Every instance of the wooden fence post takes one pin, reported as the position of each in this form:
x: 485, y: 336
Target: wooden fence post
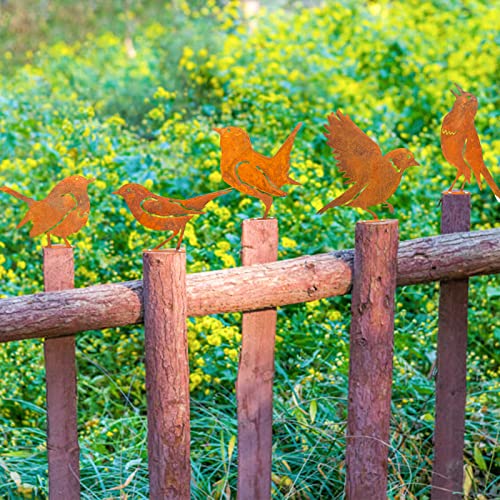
x: 370, y: 363
x: 167, y: 374
x: 451, y: 385
x: 60, y: 373
x: 254, y: 387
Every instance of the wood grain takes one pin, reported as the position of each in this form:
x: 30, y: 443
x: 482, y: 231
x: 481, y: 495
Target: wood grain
x: 167, y: 374
x: 423, y: 260
x: 451, y: 383
x: 254, y: 387
x: 60, y: 379
x: 370, y: 361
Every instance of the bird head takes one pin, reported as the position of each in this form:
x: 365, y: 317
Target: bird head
x: 465, y: 101
x: 233, y: 136
x: 132, y: 191
x: 403, y: 159
x: 79, y: 181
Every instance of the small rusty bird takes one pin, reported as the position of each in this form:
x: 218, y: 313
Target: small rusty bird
x: 164, y: 214
x: 63, y: 212
x: 460, y: 143
x: 375, y: 177
x: 253, y: 173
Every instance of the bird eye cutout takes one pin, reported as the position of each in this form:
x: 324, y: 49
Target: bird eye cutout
x: 129, y: 190
x: 409, y: 157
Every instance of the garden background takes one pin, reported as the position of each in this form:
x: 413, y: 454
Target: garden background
x: 129, y: 91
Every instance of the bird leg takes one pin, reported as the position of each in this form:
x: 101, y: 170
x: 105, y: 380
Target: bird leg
x: 180, y: 239
x: 268, y: 202
x: 389, y: 206
x: 49, y: 242
x: 375, y: 216
x: 463, y: 185
x: 157, y: 247
x: 453, y: 183
x: 68, y: 244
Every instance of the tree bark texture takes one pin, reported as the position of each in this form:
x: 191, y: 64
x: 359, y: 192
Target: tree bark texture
x: 303, y: 279
x: 167, y: 374
x: 254, y: 388
x: 370, y: 362
x: 451, y: 385
x: 60, y: 375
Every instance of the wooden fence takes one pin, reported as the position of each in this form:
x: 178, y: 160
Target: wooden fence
x: 167, y: 296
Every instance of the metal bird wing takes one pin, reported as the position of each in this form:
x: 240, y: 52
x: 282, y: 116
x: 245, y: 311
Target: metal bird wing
x: 48, y: 215
x: 166, y: 207
x: 356, y: 154
x: 254, y: 177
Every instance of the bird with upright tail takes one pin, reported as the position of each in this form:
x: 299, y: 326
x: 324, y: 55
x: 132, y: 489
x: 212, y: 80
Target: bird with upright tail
x: 253, y: 173
x: 374, y: 177
x: 62, y: 213
x: 460, y: 143
x: 161, y: 213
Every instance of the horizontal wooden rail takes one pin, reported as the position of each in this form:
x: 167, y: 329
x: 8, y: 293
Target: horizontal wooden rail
x: 312, y: 277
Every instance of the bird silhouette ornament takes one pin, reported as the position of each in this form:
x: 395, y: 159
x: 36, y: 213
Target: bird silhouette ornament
x: 253, y: 173
x: 164, y: 214
x: 460, y: 143
x: 62, y: 213
x: 374, y: 177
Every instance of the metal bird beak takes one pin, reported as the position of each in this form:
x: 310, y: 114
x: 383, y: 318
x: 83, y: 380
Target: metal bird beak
x: 461, y: 90
x: 414, y: 163
x: 91, y: 180
x: 217, y: 129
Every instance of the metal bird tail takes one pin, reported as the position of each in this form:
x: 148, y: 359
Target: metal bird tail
x: 199, y: 202
x: 282, y: 158
x: 344, y: 198
x: 491, y: 182
x: 17, y: 195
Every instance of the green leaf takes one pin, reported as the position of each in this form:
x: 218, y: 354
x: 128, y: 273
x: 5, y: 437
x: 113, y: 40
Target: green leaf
x: 478, y: 457
x: 313, y: 409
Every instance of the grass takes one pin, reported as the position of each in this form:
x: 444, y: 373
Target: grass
x: 83, y: 102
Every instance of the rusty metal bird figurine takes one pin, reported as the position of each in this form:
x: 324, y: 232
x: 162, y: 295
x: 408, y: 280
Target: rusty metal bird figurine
x: 63, y: 212
x: 375, y: 177
x: 253, y: 173
x: 164, y: 214
x: 460, y: 143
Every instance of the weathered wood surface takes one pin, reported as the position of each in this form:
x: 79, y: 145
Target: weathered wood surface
x: 423, y: 260
x: 451, y: 382
x: 370, y: 360
x: 254, y: 387
x: 60, y: 376
x: 167, y: 374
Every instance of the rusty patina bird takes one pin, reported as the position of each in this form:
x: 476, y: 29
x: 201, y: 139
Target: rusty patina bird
x: 460, y: 142
x: 374, y: 177
x: 164, y: 214
x: 63, y: 212
x: 253, y: 173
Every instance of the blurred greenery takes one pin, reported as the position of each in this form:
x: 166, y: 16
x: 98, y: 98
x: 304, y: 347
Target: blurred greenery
x: 129, y: 91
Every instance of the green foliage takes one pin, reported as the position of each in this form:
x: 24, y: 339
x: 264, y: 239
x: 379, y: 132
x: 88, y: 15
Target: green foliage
x: 143, y: 113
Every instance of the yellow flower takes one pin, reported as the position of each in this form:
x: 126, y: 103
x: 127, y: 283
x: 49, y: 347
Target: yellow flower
x: 288, y: 242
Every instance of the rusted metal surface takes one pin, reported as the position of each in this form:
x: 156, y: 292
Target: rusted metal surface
x: 254, y: 387
x: 161, y: 213
x: 60, y: 376
x: 451, y: 384
x: 248, y: 288
x: 374, y: 177
x: 253, y: 173
x: 62, y: 213
x: 167, y: 374
x: 370, y: 359
x: 460, y: 142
